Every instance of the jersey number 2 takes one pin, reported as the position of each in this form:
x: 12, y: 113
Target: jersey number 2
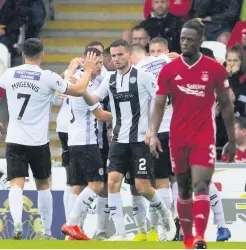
x: 23, y: 108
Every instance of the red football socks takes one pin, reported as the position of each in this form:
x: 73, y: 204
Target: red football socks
x: 201, y: 209
x: 184, y: 208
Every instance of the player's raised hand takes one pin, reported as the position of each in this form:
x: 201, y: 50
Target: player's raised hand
x: 91, y: 60
x: 173, y: 55
x: 76, y: 62
x: 230, y: 151
x: 155, y: 146
x: 73, y: 80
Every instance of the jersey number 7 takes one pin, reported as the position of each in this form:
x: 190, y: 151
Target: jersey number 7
x: 23, y: 108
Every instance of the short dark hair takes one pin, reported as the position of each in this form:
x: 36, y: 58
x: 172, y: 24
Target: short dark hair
x: 94, y: 50
x: 106, y: 52
x: 196, y: 25
x: 159, y: 40
x: 138, y: 27
x: 120, y: 42
x: 138, y: 47
x: 241, y: 121
x: 32, y: 47
x: 94, y: 43
x: 240, y: 51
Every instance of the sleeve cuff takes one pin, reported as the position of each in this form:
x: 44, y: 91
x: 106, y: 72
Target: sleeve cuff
x: 95, y: 106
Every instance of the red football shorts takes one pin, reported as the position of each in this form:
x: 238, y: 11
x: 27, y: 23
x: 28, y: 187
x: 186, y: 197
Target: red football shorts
x: 183, y: 158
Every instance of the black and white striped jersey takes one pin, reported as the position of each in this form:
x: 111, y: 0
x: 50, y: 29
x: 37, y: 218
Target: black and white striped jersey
x: 129, y: 98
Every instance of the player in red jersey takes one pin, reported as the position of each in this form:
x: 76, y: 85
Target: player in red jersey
x: 240, y: 132
x: 192, y: 81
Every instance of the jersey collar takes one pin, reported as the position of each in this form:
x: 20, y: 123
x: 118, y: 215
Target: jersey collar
x: 191, y: 66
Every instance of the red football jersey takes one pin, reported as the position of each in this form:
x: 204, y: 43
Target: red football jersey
x: 192, y: 90
x: 240, y: 157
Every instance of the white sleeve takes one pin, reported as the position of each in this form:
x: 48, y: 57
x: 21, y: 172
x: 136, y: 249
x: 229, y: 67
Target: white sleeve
x: 57, y: 100
x: 3, y: 79
x: 102, y: 91
x: 150, y: 83
x: 95, y: 106
x: 57, y: 83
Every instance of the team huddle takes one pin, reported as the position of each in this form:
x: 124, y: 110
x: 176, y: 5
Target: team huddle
x: 126, y: 115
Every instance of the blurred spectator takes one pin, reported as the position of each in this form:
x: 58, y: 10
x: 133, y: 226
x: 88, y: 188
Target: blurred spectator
x: 180, y: 7
x: 163, y: 24
x: 35, y: 19
x: 235, y: 66
x: 219, y: 16
x: 240, y: 133
x: 12, y: 16
x: 140, y: 36
x: 238, y: 35
x: 176, y: 7
x: 158, y: 46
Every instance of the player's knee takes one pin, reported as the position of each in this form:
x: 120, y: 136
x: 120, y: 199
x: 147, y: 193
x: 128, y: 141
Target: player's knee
x: 162, y: 183
x: 42, y: 184
x: 114, y: 182
x: 201, y: 187
x: 17, y: 182
x: 97, y: 187
x: 143, y: 187
x: 185, y: 192
x: 76, y: 189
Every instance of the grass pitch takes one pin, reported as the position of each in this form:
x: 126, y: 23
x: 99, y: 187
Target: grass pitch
x: 59, y: 244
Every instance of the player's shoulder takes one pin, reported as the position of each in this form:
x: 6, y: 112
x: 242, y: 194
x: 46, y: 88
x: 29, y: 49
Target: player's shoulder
x: 212, y: 63
x: 48, y: 73
x: 143, y: 75
x: 172, y: 66
x: 164, y: 57
x: 174, y: 63
x: 13, y: 69
x: 108, y: 75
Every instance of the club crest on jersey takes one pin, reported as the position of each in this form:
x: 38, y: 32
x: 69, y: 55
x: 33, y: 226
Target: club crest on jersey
x: 205, y: 76
x: 133, y: 80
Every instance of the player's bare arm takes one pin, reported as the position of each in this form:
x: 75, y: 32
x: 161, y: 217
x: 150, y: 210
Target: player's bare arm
x: 79, y: 89
x: 227, y: 111
x: 102, y: 115
x: 90, y: 99
x: 156, y: 118
x: 147, y: 136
